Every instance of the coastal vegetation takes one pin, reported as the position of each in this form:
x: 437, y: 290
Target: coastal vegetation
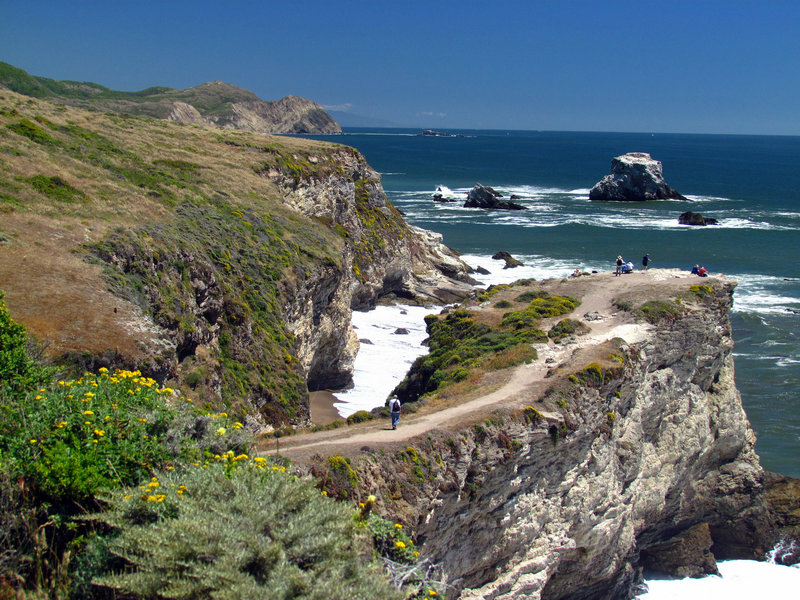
x: 111, y: 485
x: 464, y: 343
x: 176, y: 251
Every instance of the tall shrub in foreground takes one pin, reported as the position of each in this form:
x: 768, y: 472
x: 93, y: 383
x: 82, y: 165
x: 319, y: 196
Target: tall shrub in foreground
x: 231, y: 531
x: 18, y: 370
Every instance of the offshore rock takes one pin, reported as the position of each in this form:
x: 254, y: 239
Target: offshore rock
x: 510, y: 261
x: 482, y: 196
x: 634, y: 177
x: 692, y: 218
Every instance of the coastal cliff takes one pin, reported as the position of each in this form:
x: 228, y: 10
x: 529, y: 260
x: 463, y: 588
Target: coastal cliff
x: 219, y: 262
x: 617, y: 450
x: 212, y: 103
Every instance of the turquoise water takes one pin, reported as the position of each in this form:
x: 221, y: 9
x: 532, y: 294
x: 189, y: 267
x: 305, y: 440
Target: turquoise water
x: 751, y: 184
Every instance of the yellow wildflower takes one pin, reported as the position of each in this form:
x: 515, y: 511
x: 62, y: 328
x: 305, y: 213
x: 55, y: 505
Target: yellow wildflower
x: 237, y: 425
x: 88, y: 412
x: 431, y: 593
x: 189, y: 400
x: 87, y: 422
x: 241, y: 457
x: 107, y: 418
x: 224, y: 415
x: 221, y: 431
x: 33, y: 441
x: 416, y: 553
x: 89, y: 395
x: 38, y: 398
x: 99, y: 432
x: 102, y: 370
x: 160, y: 497
x: 151, y: 498
x: 400, y: 544
x: 324, y: 493
x: 142, y: 420
x: 94, y: 441
x: 398, y: 526
x: 259, y: 460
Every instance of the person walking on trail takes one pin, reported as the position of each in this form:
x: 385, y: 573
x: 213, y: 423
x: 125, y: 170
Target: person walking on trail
x: 394, y: 409
x: 619, y: 266
x: 646, y: 261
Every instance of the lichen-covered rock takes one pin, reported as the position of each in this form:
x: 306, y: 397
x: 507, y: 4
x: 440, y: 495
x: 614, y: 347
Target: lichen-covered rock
x: 634, y: 176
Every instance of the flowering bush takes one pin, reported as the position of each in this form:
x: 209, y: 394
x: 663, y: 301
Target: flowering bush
x: 81, y: 436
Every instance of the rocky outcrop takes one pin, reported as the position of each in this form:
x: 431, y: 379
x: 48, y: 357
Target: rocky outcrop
x: 482, y: 196
x: 649, y: 463
x: 510, y: 261
x: 634, y: 177
x: 382, y: 256
x: 692, y: 218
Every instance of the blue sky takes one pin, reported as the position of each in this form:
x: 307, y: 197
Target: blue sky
x: 723, y: 66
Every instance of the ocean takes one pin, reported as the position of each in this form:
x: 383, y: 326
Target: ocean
x: 750, y: 184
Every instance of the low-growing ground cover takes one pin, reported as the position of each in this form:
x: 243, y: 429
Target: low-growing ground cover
x: 464, y: 341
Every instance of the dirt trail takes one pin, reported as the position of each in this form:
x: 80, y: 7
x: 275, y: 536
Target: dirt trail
x: 525, y: 381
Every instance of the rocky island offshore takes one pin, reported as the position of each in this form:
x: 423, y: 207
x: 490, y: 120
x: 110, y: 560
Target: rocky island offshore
x: 551, y: 455
x: 634, y: 177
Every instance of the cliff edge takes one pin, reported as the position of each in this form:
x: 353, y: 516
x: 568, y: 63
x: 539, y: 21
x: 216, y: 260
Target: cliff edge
x: 224, y: 263
x: 621, y: 447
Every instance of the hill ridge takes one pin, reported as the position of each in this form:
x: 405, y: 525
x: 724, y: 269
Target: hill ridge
x: 215, y: 103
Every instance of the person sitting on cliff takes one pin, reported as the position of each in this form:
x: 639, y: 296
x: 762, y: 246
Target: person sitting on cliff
x: 695, y: 269
x: 394, y: 409
x: 619, y: 266
x: 703, y: 272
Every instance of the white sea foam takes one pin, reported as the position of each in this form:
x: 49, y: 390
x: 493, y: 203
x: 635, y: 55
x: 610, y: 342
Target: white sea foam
x: 380, y: 366
x: 761, y: 294
x: 739, y: 580
x: 694, y: 198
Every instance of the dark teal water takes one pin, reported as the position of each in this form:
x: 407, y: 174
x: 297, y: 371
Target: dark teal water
x: 751, y: 184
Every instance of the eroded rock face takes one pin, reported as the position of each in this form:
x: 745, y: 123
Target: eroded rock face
x: 634, y: 176
x: 651, y: 467
x: 382, y: 256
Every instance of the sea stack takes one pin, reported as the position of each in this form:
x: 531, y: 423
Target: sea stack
x: 635, y: 176
x: 482, y: 196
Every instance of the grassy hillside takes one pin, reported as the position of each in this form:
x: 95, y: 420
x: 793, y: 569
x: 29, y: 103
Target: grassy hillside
x: 213, y: 100
x: 149, y: 245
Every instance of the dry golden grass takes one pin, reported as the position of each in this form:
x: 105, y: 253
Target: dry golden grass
x: 60, y: 298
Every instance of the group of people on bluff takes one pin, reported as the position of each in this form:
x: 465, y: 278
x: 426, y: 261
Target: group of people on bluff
x: 627, y: 267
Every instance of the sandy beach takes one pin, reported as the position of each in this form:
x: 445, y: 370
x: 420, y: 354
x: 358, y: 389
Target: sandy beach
x: 322, y: 409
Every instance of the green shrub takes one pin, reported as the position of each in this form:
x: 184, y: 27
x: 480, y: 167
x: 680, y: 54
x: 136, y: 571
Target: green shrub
x: 659, y: 311
x: 503, y: 304
x: 56, y: 188
x: 99, y: 432
x: 359, y: 417
x: 567, y: 327
x: 18, y: 371
x: 253, y: 531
